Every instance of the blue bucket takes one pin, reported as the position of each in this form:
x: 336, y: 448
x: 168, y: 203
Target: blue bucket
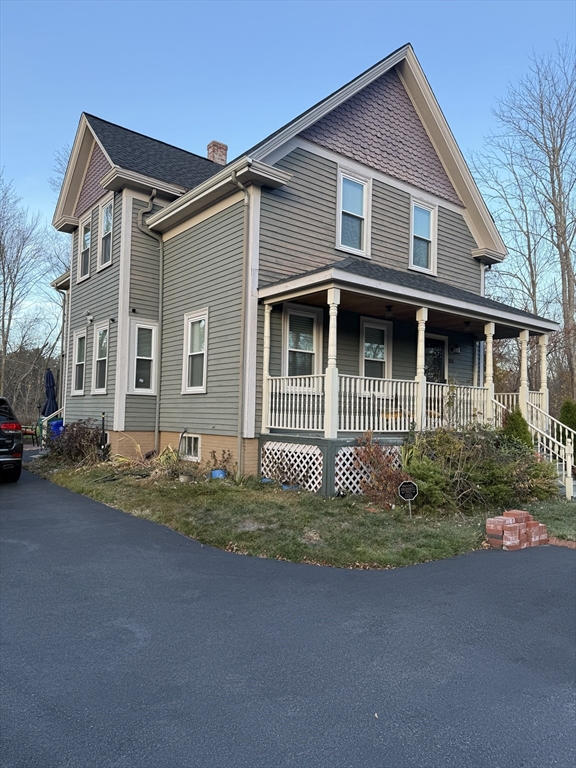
x: 56, y: 428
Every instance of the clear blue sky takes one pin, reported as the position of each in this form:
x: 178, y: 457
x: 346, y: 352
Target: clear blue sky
x: 188, y: 72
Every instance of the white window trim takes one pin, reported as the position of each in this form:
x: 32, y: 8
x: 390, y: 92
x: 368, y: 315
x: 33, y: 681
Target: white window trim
x: 192, y: 458
x: 369, y: 322
x: 106, y: 201
x: 153, y: 326
x: 190, y: 317
x: 104, y: 325
x: 433, y: 236
x: 78, y: 335
x: 88, y: 220
x: 445, y: 340
x: 306, y: 311
x: 366, y: 181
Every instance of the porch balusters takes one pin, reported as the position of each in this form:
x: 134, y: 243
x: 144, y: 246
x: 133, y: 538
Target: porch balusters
x: 524, y: 393
x: 266, y: 371
x: 420, y: 415
x: 489, y: 329
x: 331, y: 383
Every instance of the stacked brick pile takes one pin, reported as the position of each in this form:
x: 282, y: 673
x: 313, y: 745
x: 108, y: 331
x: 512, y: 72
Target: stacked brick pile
x: 515, y: 529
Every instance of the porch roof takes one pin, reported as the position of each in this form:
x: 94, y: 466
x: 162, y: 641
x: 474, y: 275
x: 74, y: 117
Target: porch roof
x: 412, y: 287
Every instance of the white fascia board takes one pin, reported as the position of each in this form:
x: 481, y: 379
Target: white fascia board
x: 75, y: 152
x: 66, y: 223
x: 419, y: 298
x: 118, y: 177
x: 62, y: 282
x: 327, y: 105
x: 215, y: 188
x: 80, y: 152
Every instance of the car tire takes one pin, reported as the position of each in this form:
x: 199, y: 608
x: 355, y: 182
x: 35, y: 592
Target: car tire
x: 13, y: 476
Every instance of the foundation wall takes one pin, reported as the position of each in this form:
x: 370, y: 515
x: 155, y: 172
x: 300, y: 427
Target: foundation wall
x: 219, y: 443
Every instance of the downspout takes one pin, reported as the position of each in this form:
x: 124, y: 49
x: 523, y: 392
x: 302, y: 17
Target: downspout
x: 147, y: 231
x: 245, y: 278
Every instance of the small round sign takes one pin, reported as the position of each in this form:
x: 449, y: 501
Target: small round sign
x: 408, y: 490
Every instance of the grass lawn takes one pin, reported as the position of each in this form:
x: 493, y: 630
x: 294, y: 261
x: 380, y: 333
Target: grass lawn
x: 264, y: 521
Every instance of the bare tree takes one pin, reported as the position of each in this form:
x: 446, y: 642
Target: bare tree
x: 61, y: 157
x: 528, y: 175
x: 26, y: 264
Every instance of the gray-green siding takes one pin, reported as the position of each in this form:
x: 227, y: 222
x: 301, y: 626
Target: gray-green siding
x: 140, y: 413
x: 203, y: 269
x: 98, y: 296
x: 298, y: 227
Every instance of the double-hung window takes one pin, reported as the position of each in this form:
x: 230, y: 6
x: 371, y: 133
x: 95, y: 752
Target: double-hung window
x: 106, y: 217
x: 353, y: 220
x: 79, y: 353
x: 375, y: 346
x: 302, y: 342
x: 195, y: 346
x: 84, y: 259
x: 101, y: 333
x: 142, y: 372
x: 423, y: 244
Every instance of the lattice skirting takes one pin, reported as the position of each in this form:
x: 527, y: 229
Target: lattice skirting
x: 293, y: 463
x: 348, y: 475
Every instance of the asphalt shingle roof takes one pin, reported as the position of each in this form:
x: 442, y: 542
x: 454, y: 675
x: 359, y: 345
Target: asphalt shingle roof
x: 150, y: 157
x: 414, y: 281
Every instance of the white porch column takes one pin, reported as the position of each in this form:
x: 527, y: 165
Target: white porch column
x: 543, y: 341
x: 523, y: 394
x: 331, y: 377
x: 266, y: 371
x: 489, y: 329
x: 421, y: 318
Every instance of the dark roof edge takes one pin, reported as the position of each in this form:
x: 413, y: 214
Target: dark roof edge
x: 145, y: 136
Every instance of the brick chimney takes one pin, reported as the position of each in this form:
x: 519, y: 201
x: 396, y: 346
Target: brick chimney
x: 217, y: 152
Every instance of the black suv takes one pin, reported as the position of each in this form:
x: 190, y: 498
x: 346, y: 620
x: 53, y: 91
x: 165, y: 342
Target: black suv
x: 10, y: 443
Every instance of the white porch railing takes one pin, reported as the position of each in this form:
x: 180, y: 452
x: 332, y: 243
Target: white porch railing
x: 499, y: 412
x: 296, y: 402
x: 376, y: 405
x: 448, y: 405
x: 536, y: 398
x: 510, y: 400
x: 45, y: 426
x: 555, y: 441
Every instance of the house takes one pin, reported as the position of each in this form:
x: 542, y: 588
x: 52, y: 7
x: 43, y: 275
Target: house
x: 327, y: 282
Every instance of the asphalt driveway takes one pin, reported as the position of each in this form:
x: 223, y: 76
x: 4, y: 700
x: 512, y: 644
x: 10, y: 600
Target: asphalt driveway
x: 125, y: 644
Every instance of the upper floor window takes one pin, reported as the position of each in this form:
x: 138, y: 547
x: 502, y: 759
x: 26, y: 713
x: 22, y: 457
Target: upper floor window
x: 423, y: 240
x: 84, y: 261
x: 106, y: 217
x: 100, y: 358
x: 79, y: 353
x: 194, y: 365
x: 353, y: 220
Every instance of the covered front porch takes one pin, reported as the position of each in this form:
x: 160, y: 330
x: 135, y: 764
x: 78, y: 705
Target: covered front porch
x: 342, y: 359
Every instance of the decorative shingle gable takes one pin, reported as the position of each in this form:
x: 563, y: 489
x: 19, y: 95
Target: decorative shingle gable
x: 92, y: 190
x: 380, y: 128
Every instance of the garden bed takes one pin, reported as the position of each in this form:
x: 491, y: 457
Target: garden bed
x: 262, y: 520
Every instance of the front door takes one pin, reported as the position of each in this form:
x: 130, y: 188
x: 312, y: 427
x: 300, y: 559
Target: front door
x: 435, y: 360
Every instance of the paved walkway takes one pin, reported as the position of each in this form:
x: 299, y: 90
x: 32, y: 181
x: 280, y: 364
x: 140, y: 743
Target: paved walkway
x: 125, y: 644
